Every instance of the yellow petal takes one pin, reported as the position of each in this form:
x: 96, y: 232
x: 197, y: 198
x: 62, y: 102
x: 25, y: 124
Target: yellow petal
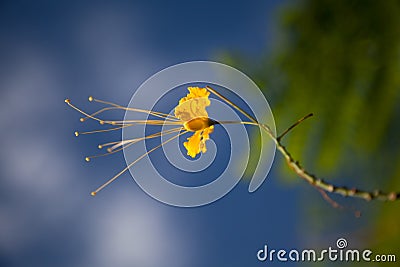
x: 207, y: 131
x: 195, y: 92
x: 197, y: 142
x: 193, y: 104
x: 193, y: 144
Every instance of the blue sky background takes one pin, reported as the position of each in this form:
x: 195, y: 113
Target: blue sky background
x: 50, y: 50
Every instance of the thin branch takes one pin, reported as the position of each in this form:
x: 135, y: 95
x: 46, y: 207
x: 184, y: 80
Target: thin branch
x: 279, y: 138
x: 304, y: 174
x: 328, y: 187
x: 328, y: 199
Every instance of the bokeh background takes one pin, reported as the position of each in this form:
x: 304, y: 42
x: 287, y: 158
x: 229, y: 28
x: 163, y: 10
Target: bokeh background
x: 338, y: 59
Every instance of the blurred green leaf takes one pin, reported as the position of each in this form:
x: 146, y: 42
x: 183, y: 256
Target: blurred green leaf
x: 341, y: 61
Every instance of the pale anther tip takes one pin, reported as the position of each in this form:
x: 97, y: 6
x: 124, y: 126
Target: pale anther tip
x: 100, y: 146
x: 93, y: 193
x: 82, y: 119
x: 87, y: 159
x: 101, y: 122
x: 76, y: 133
x: 67, y: 100
x: 90, y: 98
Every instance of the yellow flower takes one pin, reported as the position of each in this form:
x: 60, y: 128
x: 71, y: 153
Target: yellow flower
x: 192, y: 111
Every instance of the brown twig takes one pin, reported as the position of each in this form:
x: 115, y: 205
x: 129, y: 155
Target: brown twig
x: 328, y: 187
x: 304, y: 174
x: 279, y: 138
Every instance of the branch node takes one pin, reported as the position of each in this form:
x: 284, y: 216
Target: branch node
x: 331, y: 188
x: 393, y: 196
x: 352, y: 191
